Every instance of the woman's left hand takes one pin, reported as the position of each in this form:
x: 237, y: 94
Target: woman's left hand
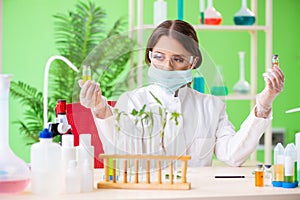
x: 274, y: 79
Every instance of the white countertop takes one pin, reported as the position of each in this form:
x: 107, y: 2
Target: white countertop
x: 204, y: 186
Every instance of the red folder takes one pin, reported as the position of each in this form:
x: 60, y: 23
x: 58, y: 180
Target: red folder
x: 81, y: 120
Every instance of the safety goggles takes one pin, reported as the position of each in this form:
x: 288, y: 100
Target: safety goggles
x: 177, y: 61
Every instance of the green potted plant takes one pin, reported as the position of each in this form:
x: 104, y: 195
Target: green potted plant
x: 80, y: 37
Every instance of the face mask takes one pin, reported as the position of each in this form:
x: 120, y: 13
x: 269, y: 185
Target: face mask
x: 169, y: 80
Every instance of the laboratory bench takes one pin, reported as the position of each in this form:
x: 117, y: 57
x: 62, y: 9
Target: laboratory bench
x: 204, y: 185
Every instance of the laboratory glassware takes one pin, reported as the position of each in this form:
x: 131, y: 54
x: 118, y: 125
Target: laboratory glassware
x: 275, y: 60
x: 259, y: 175
x: 86, y: 73
x: 202, y: 8
x: 242, y: 86
x: 211, y: 15
x: 160, y: 11
x: 267, y: 175
x: 14, y: 172
x: 219, y: 87
x: 244, y: 16
x: 180, y: 9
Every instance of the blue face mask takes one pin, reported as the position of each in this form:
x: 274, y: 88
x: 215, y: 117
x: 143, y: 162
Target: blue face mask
x: 169, y: 80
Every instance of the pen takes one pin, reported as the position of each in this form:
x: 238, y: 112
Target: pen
x: 230, y: 176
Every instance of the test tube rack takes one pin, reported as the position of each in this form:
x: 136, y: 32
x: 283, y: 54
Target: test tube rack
x: 147, y: 184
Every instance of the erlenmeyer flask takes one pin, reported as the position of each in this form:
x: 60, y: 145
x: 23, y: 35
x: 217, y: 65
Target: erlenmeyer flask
x: 219, y: 87
x: 242, y: 86
x: 14, y: 172
x: 211, y: 15
x: 244, y: 16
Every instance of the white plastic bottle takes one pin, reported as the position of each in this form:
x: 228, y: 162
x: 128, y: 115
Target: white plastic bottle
x: 46, y: 167
x: 68, y: 152
x: 72, y: 178
x: 87, y: 174
x: 289, y: 163
x: 85, y: 151
x: 160, y: 11
x: 298, y: 155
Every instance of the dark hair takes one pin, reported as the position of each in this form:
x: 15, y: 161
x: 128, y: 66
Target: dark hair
x: 178, y: 29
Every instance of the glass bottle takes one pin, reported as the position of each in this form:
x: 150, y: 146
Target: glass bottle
x: 14, y: 172
x: 259, y: 175
x: 242, y: 86
x: 244, y: 16
x: 198, y: 82
x: 267, y: 175
x: 211, y: 15
x: 275, y: 61
x: 219, y: 88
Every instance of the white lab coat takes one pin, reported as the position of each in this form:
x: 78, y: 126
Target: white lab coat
x: 203, y: 127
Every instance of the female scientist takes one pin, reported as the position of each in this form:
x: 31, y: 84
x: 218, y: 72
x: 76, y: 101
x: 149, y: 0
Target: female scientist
x: 172, y: 53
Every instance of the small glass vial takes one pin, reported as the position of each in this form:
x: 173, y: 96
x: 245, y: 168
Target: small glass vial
x: 267, y: 175
x: 86, y: 73
x: 259, y: 175
x: 275, y: 61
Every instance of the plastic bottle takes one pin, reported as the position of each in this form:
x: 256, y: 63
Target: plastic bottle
x: 72, y: 178
x: 160, y: 12
x: 259, y: 175
x: 267, y: 175
x: 68, y: 153
x: 244, y: 16
x: 278, y: 166
x: 298, y: 155
x: 46, y: 165
x: 289, y: 163
x: 85, y: 151
x: 87, y: 181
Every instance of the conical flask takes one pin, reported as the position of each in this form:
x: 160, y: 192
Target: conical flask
x: 244, y: 16
x: 14, y: 172
x: 211, y: 15
x: 242, y: 86
x: 219, y: 87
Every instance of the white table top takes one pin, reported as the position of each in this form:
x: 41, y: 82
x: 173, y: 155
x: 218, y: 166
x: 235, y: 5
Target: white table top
x: 204, y: 186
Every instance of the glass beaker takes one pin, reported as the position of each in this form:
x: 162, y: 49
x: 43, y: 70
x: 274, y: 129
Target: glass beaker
x: 14, y: 172
x: 211, y: 15
x: 219, y: 88
x: 244, y: 16
x: 242, y: 86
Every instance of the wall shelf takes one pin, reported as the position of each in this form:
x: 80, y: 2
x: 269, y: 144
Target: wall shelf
x: 253, y: 30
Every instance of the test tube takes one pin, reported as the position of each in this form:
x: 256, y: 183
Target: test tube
x: 86, y: 73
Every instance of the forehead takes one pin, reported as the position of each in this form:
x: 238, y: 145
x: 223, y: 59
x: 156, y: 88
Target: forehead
x: 167, y: 44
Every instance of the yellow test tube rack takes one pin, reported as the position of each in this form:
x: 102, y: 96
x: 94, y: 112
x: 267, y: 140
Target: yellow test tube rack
x: 147, y: 184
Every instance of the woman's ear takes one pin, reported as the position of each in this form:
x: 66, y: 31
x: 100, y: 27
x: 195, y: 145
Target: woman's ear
x: 195, y: 62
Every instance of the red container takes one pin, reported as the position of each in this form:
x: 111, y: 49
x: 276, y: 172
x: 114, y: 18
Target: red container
x: 81, y: 120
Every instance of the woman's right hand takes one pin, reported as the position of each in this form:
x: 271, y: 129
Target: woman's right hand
x: 90, y: 94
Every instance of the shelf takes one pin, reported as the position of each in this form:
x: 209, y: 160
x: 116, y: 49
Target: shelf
x: 238, y: 97
x: 217, y: 28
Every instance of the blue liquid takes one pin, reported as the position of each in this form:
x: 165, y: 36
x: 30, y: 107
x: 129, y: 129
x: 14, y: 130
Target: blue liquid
x: 199, y: 84
x: 244, y: 20
x: 219, y: 90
